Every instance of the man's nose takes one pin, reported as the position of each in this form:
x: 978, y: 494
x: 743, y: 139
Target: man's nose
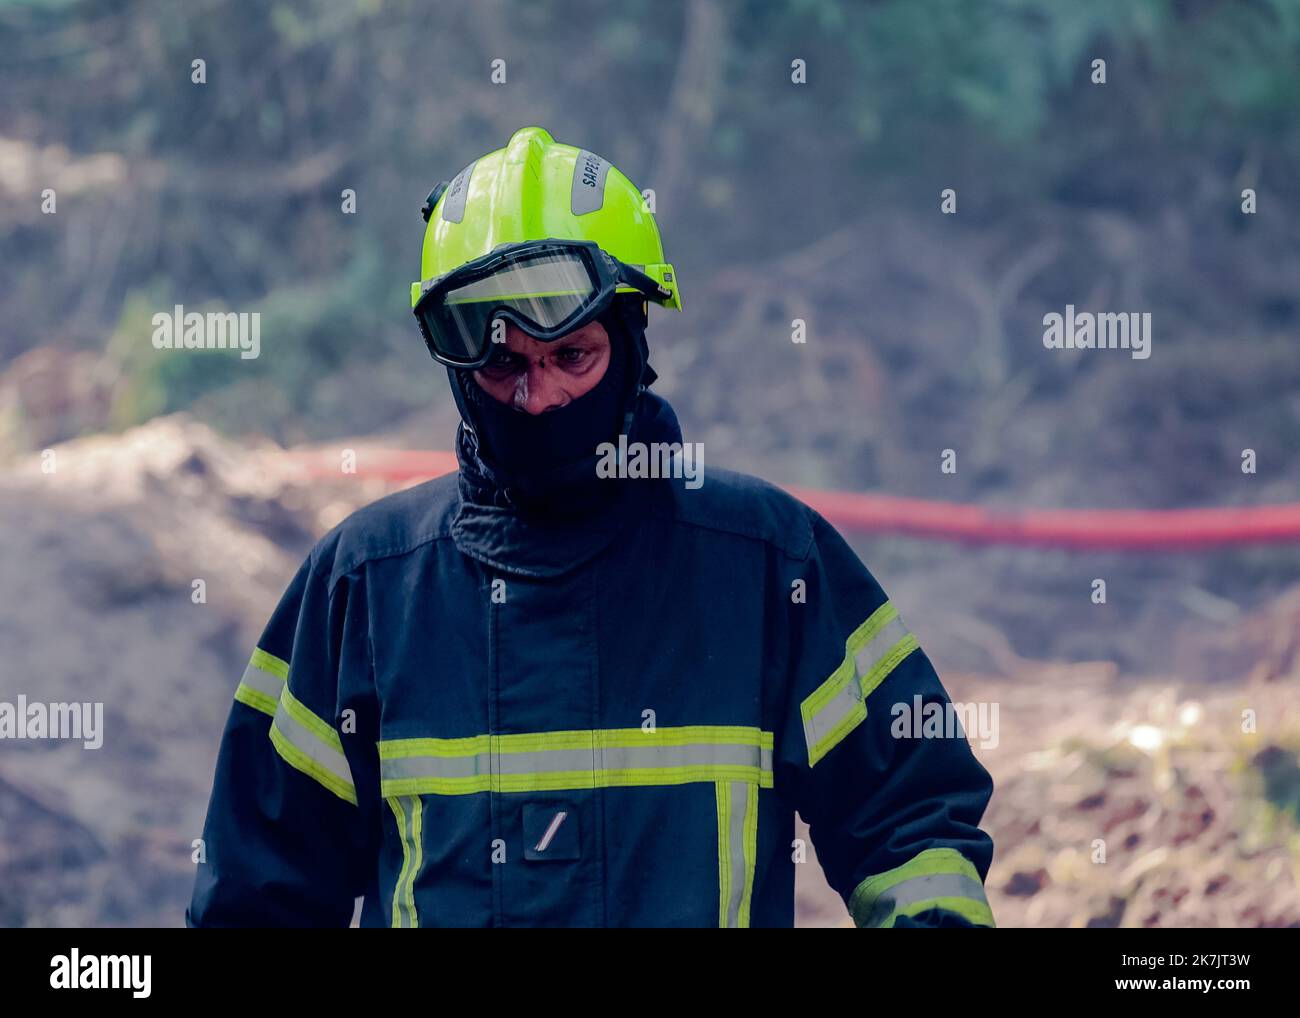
x: 541, y: 389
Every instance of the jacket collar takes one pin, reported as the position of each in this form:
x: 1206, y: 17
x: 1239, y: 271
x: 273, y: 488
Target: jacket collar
x: 575, y: 523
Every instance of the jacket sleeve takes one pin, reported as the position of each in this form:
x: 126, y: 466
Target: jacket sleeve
x: 894, y: 818
x: 285, y: 838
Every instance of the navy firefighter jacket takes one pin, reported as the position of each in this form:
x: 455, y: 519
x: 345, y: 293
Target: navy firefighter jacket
x: 467, y: 718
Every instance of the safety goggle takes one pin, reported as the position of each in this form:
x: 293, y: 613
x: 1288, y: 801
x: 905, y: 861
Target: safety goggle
x: 546, y: 287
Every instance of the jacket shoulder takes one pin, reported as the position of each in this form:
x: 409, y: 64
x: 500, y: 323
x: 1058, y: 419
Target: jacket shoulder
x: 393, y: 525
x: 735, y: 503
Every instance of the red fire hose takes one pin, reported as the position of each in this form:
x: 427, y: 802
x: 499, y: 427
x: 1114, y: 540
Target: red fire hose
x: 1089, y: 529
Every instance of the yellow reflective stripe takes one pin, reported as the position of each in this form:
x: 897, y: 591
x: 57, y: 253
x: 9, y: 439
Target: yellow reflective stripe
x: 399, y: 918
x: 880, y: 899
x: 256, y: 699
x: 822, y: 742
x: 417, y: 811
x: 858, y: 639
x: 723, y: 797
x: 750, y: 848
x: 319, y: 728
x: 310, y: 745
x: 566, y: 760
x: 836, y: 707
x: 397, y: 749
x: 880, y: 671
x: 558, y: 781
x: 839, y: 689
x: 304, y: 741
x: 299, y: 760
x: 737, y: 810
x: 270, y: 663
x: 404, y: 913
x: 609, y: 738
x: 260, y: 686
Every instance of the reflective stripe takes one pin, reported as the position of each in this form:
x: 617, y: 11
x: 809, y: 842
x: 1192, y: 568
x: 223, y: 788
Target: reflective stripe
x: 751, y: 850
x: 552, y: 761
x: 936, y: 878
x: 878, y: 658
x: 409, y: 812
x: 588, y: 191
x: 722, y: 794
x: 582, y: 739
x: 260, y: 686
x: 737, y: 850
x: 925, y: 892
x: 568, y: 760
x: 453, y: 202
x: 838, y: 705
x: 310, y: 745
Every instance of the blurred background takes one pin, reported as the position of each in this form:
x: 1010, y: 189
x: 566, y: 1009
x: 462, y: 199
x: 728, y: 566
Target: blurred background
x: 778, y: 201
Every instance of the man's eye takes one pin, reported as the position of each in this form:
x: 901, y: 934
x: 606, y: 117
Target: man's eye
x: 501, y: 360
x: 572, y: 355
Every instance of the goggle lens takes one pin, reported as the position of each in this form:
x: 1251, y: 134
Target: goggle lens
x: 546, y: 289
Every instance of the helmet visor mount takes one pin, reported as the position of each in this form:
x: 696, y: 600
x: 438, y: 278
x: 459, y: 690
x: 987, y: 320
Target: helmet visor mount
x: 548, y: 288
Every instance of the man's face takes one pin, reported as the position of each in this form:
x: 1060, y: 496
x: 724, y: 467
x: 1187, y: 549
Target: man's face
x: 534, y: 377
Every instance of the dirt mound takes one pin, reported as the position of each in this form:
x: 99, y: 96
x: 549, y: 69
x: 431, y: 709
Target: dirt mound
x: 1120, y: 803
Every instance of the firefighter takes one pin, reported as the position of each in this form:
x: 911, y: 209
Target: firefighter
x: 534, y: 694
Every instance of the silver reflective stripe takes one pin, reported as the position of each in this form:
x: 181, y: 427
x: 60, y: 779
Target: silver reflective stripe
x: 736, y: 844
x: 722, y: 754
x: 833, y: 712
x: 840, y: 700
x: 909, y: 892
x: 310, y: 744
x: 264, y: 682
x: 737, y: 803
x: 436, y: 766
x: 879, y: 647
x: 589, y: 174
x: 551, y: 761
x: 453, y: 202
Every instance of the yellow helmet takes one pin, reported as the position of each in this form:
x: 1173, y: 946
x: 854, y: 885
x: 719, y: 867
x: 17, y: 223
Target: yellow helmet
x: 538, y: 189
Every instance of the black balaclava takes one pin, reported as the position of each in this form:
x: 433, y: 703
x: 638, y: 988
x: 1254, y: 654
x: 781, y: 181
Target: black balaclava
x: 545, y: 464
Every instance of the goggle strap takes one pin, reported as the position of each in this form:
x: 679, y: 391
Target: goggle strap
x: 644, y: 283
